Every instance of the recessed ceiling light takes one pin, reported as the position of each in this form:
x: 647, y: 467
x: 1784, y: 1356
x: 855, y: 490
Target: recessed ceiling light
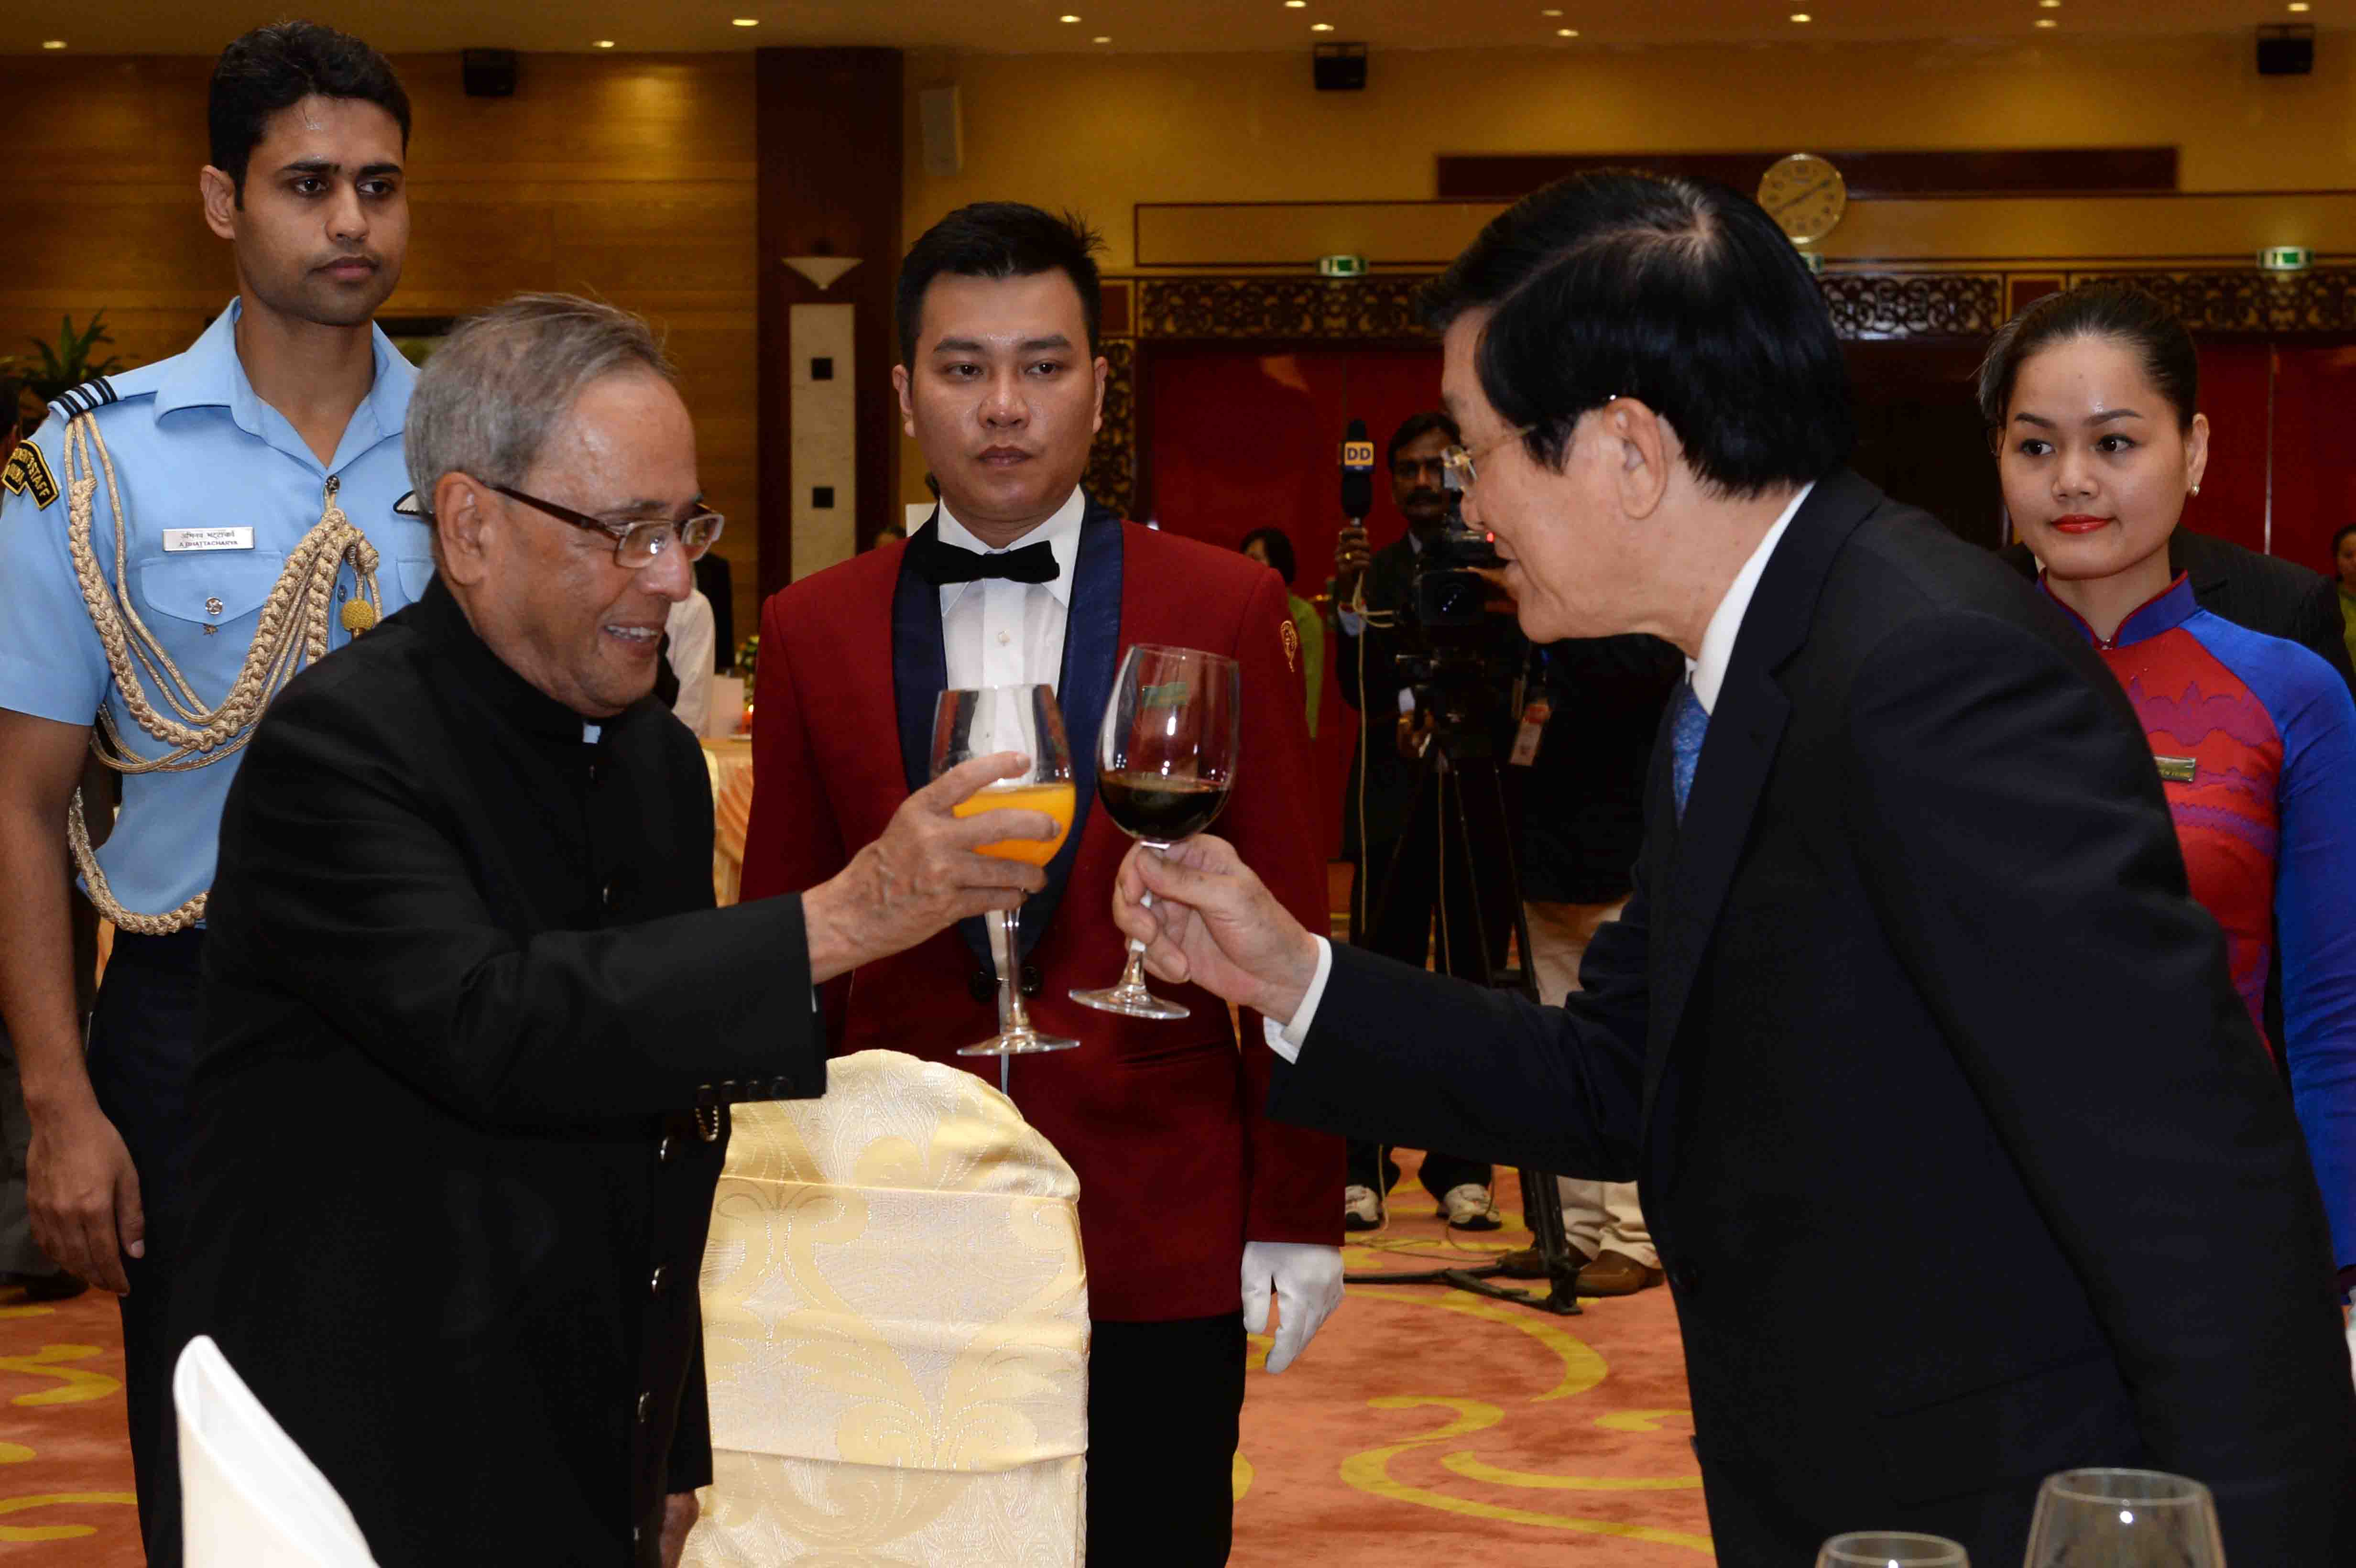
x: 1102, y: 39
x: 1551, y: 11
x: 745, y: 21
x: 1067, y: 17
x: 1802, y: 16
x: 1321, y: 26
x: 1296, y: 4
x: 53, y: 43
x: 2050, y: 5
x: 2300, y: 6
x: 604, y: 43
x: 1565, y: 32
x: 2047, y: 22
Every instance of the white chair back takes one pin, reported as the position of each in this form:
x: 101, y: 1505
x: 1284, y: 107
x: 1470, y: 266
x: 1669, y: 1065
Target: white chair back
x: 895, y: 1331
x: 249, y: 1497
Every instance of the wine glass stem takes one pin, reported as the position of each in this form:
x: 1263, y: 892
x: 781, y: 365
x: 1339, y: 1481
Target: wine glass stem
x: 1009, y: 925
x: 1132, y: 977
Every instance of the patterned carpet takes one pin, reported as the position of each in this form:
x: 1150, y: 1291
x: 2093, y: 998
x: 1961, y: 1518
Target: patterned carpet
x: 1422, y: 1424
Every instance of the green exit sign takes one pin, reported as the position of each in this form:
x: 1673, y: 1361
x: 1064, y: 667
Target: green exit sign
x: 1341, y: 266
x: 2285, y: 259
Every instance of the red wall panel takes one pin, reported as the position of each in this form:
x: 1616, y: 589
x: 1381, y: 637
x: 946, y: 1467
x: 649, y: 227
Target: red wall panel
x: 2315, y: 452
x: 1239, y: 438
x: 2232, y: 500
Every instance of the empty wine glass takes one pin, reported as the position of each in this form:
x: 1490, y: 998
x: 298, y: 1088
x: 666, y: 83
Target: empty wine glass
x: 2123, y: 1518
x: 1890, y: 1549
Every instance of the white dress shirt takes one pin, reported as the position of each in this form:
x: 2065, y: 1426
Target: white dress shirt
x: 997, y: 633
x: 1706, y: 670
x: 690, y: 624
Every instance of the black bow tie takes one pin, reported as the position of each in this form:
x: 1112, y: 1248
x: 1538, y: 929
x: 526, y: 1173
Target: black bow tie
x: 941, y: 563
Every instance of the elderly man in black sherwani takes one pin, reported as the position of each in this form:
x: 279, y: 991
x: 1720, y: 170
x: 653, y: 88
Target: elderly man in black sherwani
x: 472, y: 1026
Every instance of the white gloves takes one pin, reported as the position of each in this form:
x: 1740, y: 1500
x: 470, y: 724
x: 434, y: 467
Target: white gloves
x: 1307, y: 1281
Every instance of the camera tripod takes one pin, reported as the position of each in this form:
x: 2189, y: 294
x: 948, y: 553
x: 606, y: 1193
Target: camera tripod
x: 1459, y: 816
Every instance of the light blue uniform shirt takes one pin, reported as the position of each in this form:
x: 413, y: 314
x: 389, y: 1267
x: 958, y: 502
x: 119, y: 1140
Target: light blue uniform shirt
x: 193, y: 447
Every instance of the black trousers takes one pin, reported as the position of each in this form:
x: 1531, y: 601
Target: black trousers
x: 142, y: 1039
x: 1165, y: 1408
x: 1391, y: 908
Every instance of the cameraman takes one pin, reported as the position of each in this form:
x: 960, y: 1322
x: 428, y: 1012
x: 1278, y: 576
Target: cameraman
x: 1582, y: 819
x: 1369, y: 591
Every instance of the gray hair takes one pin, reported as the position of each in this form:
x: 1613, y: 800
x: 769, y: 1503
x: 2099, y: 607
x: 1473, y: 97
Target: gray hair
x: 491, y: 396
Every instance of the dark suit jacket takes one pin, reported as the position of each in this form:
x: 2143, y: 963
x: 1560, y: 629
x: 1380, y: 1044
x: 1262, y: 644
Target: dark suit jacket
x: 1165, y: 1123
x: 1964, y: 1160
x: 2264, y: 592
x: 463, y: 987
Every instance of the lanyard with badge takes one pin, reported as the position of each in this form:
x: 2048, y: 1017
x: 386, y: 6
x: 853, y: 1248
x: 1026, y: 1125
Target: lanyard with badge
x: 292, y: 634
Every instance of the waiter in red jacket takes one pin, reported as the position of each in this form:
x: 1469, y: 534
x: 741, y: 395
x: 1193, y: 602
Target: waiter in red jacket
x: 1195, y: 1208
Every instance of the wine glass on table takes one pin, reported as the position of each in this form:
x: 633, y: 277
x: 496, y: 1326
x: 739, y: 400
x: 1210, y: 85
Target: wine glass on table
x: 970, y: 724
x: 1165, y: 761
x: 2123, y: 1518
x: 1890, y: 1549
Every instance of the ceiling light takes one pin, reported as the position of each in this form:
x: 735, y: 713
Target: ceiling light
x: 53, y: 43
x: 1565, y: 32
x: 2047, y: 22
x: 1296, y: 4
x: 2300, y: 6
x: 745, y: 21
x: 2050, y: 5
x: 1802, y: 16
x: 1321, y: 26
x: 1551, y: 11
x: 604, y: 43
x: 1102, y: 39
x: 1067, y: 17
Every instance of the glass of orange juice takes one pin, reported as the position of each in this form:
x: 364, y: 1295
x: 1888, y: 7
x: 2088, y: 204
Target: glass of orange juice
x: 975, y: 722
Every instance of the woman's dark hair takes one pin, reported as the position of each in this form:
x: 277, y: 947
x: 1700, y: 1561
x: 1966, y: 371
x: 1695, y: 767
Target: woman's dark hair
x: 1415, y: 427
x: 2120, y: 312
x: 277, y: 66
x: 998, y: 239
x: 1620, y: 283
x: 1279, y: 549
x: 2338, y: 539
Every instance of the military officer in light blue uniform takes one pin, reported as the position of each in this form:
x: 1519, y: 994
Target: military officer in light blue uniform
x: 176, y: 542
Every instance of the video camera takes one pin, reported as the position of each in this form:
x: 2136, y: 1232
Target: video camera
x: 1463, y: 658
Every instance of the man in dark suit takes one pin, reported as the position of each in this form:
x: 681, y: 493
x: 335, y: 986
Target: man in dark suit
x: 471, y: 1024
x: 1964, y: 1158
x: 1392, y: 839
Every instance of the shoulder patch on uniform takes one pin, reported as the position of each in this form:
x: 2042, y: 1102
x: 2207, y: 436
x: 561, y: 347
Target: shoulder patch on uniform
x: 27, y: 473
x: 95, y: 393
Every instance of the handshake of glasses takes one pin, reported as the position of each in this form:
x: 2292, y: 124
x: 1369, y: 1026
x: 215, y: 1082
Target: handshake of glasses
x: 1165, y: 759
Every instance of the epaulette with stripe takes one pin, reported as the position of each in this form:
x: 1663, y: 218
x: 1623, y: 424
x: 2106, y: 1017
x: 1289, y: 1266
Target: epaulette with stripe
x: 95, y: 393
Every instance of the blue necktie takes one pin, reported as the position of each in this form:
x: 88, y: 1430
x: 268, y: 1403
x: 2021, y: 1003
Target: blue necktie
x: 1692, y: 725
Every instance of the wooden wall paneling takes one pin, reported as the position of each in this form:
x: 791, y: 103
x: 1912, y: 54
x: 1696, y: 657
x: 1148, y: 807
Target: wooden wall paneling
x: 2011, y: 171
x: 630, y: 178
x: 831, y: 140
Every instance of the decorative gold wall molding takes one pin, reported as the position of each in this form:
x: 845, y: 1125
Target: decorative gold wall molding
x: 1866, y: 306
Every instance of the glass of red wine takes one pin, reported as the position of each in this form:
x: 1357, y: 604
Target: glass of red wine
x: 1165, y: 761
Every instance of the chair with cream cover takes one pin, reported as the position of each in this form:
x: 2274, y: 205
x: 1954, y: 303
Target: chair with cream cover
x: 249, y: 1497
x: 895, y: 1332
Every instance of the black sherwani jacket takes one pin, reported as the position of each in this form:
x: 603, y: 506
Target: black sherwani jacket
x: 465, y: 993
x: 1963, y: 1157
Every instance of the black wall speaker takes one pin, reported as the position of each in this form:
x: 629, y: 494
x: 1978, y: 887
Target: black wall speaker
x: 1339, y: 68
x: 2287, y: 50
x: 489, y: 74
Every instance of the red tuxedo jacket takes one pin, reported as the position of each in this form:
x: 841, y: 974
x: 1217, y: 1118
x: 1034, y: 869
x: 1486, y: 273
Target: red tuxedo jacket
x: 1165, y: 1123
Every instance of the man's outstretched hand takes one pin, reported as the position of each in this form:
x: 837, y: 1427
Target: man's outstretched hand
x: 1213, y: 922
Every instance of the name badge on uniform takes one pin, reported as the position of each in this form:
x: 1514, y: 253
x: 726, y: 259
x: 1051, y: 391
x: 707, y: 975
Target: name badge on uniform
x: 1525, y: 739
x: 2177, y: 770
x: 176, y: 540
